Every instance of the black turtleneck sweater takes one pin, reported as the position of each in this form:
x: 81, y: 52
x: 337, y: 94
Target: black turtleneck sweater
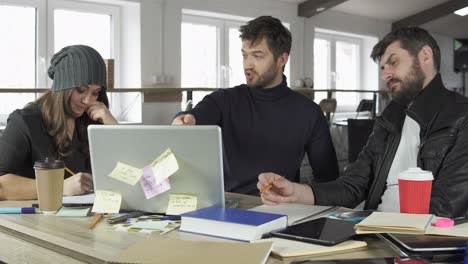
x: 268, y: 130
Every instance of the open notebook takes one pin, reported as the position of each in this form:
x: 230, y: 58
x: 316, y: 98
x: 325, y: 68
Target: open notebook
x: 397, y: 223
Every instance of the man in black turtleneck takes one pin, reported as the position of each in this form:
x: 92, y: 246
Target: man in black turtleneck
x: 266, y: 126
x: 424, y: 126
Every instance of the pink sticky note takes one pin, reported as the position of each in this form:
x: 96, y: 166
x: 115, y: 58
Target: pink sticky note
x: 149, y: 185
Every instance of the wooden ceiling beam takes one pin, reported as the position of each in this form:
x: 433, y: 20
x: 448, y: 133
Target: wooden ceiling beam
x: 430, y: 14
x: 312, y: 7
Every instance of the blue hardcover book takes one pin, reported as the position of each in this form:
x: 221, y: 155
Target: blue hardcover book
x: 231, y: 223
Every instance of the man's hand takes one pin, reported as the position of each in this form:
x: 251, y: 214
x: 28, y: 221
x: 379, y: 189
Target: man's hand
x: 283, y: 190
x: 77, y: 184
x: 98, y: 111
x: 187, y: 119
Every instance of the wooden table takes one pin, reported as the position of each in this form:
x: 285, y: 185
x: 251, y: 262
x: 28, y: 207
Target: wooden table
x: 49, y: 239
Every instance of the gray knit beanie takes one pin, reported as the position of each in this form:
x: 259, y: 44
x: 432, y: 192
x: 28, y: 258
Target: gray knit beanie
x: 77, y: 65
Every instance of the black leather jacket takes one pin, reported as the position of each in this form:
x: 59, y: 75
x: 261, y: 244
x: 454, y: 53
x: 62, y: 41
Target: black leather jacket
x: 443, y: 118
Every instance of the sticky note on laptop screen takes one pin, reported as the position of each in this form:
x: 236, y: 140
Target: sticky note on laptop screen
x: 126, y: 173
x: 107, y: 202
x: 149, y: 185
x: 181, y: 203
x: 164, y: 166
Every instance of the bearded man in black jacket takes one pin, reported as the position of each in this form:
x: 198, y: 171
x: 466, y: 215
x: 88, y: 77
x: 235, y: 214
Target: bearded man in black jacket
x: 425, y: 125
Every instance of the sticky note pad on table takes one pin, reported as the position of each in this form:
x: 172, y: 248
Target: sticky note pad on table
x: 126, y: 173
x: 181, y: 203
x: 164, y: 166
x: 107, y: 202
x: 149, y: 185
x: 73, y: 211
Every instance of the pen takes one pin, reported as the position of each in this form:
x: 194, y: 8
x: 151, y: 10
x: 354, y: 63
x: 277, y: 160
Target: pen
x: 153, y: 217
x: 96, y: 220
x: 18, y: 210
x: 460, y: 220
x: 270, y: 185
x: 124, y: 217
x: 170, y: 217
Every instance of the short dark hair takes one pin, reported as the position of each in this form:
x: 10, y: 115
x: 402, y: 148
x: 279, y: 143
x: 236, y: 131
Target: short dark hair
x: 412, y: 39
x: 277, y: 36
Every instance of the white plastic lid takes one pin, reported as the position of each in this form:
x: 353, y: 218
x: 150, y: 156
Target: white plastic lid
x: 416, y: 174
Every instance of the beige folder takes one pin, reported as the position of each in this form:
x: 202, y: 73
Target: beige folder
x: 184, y: 252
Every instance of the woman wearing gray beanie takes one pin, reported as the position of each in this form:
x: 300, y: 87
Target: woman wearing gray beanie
x: 56, y: 124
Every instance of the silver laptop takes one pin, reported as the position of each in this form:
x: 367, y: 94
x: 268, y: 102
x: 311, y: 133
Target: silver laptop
x: 198, y: 150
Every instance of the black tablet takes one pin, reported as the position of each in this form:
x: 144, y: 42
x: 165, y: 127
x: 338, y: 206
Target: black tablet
x: 420, y: 243
x: 326, y: 231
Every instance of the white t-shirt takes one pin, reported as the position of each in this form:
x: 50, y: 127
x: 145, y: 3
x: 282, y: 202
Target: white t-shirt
x: 405, y: 157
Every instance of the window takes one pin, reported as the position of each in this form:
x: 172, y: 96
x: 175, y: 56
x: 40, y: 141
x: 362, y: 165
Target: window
x: 340, y: 62
x: 211, y: 51
x: 18, y: 69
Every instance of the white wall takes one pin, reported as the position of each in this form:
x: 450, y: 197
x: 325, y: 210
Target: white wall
x: 449, y: 77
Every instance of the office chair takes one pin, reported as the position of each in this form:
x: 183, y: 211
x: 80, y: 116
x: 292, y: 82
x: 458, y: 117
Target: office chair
x: 365, y: 105
x: 328, y: 106
x: 358, y: 133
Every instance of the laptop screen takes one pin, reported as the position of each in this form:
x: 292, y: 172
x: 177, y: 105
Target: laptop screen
x: 198, y: 150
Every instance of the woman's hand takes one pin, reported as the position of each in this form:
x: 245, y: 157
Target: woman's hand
x: 98, y: 111
x: 77, y: 184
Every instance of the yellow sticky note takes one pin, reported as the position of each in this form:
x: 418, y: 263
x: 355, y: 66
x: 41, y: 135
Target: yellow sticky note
x: 107, y: 202
x: 164, y: 166
x: 181, y: 203
x: 126, y: 173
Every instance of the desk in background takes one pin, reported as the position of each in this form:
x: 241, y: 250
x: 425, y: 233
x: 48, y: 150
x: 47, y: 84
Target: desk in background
x: 49, y: 239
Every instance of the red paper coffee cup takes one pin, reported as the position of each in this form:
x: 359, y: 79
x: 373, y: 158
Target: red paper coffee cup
x: 415, y: 186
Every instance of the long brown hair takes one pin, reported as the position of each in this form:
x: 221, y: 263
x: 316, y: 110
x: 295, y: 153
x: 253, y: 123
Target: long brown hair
x: 56, y: 109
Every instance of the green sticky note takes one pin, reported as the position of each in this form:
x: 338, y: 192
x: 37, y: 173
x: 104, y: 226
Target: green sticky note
x: 73, y: 211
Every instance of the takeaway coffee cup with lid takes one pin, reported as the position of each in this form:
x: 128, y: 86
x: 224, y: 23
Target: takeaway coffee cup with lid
x: 415, y: 186
x: 49, y: 184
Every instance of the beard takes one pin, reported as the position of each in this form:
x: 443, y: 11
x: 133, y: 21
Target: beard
x: 410, y: 87
x: 265, y: 79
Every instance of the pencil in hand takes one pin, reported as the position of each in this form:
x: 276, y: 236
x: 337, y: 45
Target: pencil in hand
x: 269, y: 186
x: 96, y: 220
x: 69, y: 171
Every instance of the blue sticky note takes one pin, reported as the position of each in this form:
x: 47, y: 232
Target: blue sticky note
x: 73, y: 212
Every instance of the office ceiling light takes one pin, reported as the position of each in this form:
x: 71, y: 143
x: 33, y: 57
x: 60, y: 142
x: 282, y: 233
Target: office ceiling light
x: 320, y: 9
x: 462, y: 12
